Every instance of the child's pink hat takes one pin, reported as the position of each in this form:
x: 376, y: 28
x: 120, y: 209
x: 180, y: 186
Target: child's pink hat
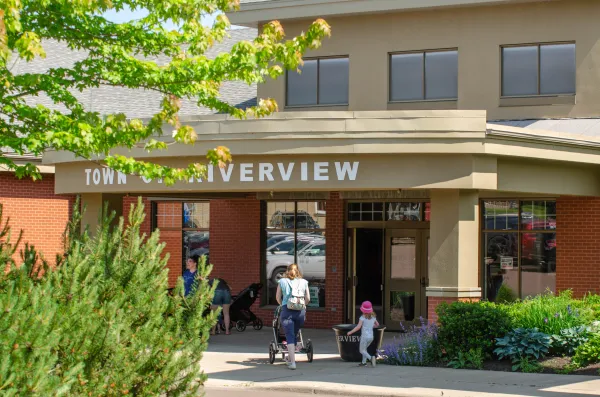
x: 366, y: 307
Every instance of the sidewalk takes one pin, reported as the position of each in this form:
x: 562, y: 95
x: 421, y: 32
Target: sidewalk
x: 240, y: 361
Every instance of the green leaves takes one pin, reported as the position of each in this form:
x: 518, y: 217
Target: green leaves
x: 133, y: 55
x: 523, y: 343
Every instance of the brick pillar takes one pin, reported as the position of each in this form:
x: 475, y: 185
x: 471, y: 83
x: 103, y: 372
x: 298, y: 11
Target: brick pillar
x: 433, y: 302
x: 169, y: 222
x: 577, y: 248
x: 235, y: 241
x: 335, y: 269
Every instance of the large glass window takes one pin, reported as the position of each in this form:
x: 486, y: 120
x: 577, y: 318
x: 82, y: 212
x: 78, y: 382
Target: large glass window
x: 519, y: 248
x: 295, y: 233
x: 547, y: 69
x: 320, y: 82
x: 431, y: 75
x: 196, y: 223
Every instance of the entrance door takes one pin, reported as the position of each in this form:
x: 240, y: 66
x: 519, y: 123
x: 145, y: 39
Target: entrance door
x: 365, y: 271
x: 405, y: 277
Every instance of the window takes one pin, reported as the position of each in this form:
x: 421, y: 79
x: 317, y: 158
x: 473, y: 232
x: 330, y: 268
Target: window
x: 196, y: 217
x: 320, y: 82
x: 295, y: 233
x: 431, y: 75
x: 519, y: 248
x: 544, y: 69
x: 389, y: 211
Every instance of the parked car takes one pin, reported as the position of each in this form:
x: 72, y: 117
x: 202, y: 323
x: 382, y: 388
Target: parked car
x: 285, y: 220
x: 311, y: 261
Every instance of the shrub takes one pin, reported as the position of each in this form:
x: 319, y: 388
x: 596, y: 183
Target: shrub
x: 570, y: 339
x: 505, y: 294
x: 102, y: 322
x: 588, y: 352
x: 467, y: 326
x: 527, y: 365
x: 417, y: 347
x: 473, y: 359
x: 551, y: 314
x: 523, y: 343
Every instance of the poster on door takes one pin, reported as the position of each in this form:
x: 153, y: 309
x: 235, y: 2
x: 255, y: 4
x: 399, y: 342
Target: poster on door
x: 314, y: 297
x: 506, y: 263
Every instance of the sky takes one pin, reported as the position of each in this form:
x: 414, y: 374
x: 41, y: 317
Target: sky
x: 128, y: 15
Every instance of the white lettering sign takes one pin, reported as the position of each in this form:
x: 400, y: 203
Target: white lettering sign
x: 248, y: 172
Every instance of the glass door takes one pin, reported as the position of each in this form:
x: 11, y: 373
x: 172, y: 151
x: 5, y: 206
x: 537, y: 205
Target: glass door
x: 405, y: 278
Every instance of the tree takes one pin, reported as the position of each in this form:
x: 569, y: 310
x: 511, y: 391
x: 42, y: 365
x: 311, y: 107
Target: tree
x: 102, y: 323
x: 124, y: 55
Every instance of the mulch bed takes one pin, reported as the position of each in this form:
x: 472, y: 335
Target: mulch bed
x: 550, y: 365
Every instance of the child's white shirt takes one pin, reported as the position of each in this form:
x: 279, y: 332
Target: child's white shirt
x: 367, y: 326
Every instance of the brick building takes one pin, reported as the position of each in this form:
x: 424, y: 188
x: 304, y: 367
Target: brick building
x: 460, y: 164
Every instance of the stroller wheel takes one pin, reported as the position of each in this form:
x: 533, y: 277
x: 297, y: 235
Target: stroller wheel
x: 258, y: 324
x: 271, y: 354
x: 240, y: 326
x: 309, y: 351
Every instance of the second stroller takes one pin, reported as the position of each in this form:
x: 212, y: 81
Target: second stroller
x: 240, y: 312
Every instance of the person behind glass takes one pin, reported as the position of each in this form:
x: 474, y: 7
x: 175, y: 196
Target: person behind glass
x: 366, y: 323
x: 222, y: 298
x: 292, y: 288
x: 189, y: 276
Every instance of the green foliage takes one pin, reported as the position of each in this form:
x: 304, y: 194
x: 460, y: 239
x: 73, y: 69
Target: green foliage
x: 521, y: 344
x: 101, y: 323
x: 473, y: 359
x: 527, y: 365
x: 127, y: 55
x: 469, y: 326
x: 588, y: 352
x: 505, y: 294
x: 569, y: 339
x: 551, y: 314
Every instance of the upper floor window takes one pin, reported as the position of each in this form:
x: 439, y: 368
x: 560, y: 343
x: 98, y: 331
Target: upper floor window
x: 322, y: 81
x: 429, y: 75
x: 540, y: 69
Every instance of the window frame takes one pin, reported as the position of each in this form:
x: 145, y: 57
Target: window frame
x: 317, y: 104
x: 520, y: 231
x: 188, y: 229
x: 424, y: 71
x: 539, y: 69
x: 264, y: 224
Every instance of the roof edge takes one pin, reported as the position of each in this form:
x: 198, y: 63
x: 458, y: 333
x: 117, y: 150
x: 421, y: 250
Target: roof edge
x: 254, y: 12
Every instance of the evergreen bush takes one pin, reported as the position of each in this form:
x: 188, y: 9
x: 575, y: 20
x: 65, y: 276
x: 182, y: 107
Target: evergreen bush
x: 101, y: 322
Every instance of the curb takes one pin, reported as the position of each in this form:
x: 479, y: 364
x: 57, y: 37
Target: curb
x: 322, y: 389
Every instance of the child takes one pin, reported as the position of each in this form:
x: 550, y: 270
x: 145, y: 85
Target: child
x: 366, y: 323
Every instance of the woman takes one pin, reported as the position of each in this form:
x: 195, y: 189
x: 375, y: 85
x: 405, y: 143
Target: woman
x: 222, y: 298
x: 189, y: 276
x: 292, y: 320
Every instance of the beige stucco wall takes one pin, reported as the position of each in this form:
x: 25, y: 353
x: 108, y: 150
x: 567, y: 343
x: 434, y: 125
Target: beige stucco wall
x: 453, y: 261
x: 478, y: 33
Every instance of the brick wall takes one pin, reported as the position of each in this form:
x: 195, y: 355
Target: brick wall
x: 34, y: 208
x: 235, y: 253
x: 578, y: 244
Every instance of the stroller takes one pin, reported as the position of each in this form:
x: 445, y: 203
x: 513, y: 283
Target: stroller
x: 240, y: 312
x: 279, y: 344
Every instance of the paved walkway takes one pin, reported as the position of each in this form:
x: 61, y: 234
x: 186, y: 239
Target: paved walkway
x: 241, y: 361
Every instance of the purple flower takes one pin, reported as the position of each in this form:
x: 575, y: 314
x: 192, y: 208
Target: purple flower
x: 569, y: 309
x: 546, y: 320
x: 556, y: 315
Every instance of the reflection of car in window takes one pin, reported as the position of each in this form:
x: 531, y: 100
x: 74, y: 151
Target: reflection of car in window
x: 285, y: 220
x: 311, y: 258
